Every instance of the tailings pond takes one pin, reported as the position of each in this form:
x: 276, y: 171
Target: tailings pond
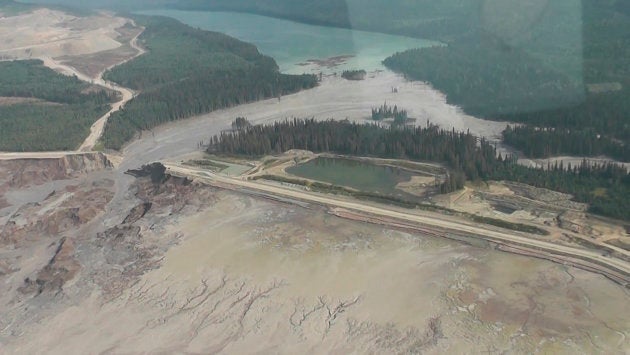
x: 353, y: 173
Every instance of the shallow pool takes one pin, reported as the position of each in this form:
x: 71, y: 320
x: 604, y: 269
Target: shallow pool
x: 353, y: 173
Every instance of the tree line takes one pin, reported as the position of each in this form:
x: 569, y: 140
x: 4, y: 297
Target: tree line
x: 385, y: 111
x: 464, y: 153
x: 547, y: 142
x: 354, y: 74
x: 52, y: 111
x: 485, y: 80
x: 187, y: 72
x: 528, y: 83
x: 31, y: 79
x: 604, y: 187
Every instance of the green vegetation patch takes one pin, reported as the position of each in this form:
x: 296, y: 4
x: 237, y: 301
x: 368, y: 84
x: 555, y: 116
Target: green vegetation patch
x: 188, y: 71
x: 464, y: 155
x: 486, y: 79
x: 566, y: 73
x: 467, y: 156
x: 354, y: 74
x: 59, y: 120
x: 207, y: 164
x: 400, y: 116
x: 538, y: 142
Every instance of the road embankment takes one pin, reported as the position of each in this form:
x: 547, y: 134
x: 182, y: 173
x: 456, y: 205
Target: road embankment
x: 428, y: 223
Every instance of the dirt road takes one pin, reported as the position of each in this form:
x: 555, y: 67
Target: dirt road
x: 617, y: 270
x: 126, y: 94
x: 97, y: 128
x: 96, y: 131
x: 35, y: 155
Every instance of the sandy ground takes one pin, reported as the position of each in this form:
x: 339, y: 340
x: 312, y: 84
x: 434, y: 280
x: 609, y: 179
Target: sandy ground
x: 245, y: 275
x: 429, y: 222
x: 52, y: 33
x: 94, y: 64
x: 208, y: 271
x: 566, y: 220
x: 335, y: 98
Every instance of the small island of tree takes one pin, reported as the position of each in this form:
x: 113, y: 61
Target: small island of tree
x: 386, y: 111
x: 240, y: 123
x: 354, y: 74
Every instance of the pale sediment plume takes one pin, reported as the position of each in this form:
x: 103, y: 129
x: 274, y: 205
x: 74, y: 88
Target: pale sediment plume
x: 228, y: 273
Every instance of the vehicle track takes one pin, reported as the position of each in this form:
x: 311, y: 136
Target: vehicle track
x: 126, y: 94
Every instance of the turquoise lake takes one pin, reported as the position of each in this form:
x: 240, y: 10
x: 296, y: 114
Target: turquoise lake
x: 291, y: 43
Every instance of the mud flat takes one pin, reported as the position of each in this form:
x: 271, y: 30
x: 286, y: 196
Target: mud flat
x: 195, y: 269
x: 335, y: 98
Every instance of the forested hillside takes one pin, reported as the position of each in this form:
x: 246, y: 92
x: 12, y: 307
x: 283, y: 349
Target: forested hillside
x: 544, y: 143
x: 603, y: 187
x: 188, y: 71
x: 485, y: 79
x: 418, y: 18
x: 43, y: 110
x: 580, y: 91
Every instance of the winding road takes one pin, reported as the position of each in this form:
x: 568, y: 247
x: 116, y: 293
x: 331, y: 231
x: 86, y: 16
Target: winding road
x: 96, y: 131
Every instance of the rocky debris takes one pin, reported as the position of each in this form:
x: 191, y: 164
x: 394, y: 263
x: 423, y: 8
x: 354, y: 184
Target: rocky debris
x: 21, y: 173
x: 137, y: 213
x: 121, y: 245
x: 155, y: 170
x: 61, y: 268
x: 6, y: 268
x: 164, y: 186
x: 58, y: 213
x: 173, y: 194
x: 555, y: 199
x: 136, y: 245
x: 24, y: 226
x: 574, y: 222
x: 391, y: 339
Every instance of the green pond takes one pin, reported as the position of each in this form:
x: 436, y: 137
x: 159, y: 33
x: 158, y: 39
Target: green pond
x: 353, y: 173
x: 292, y: 44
